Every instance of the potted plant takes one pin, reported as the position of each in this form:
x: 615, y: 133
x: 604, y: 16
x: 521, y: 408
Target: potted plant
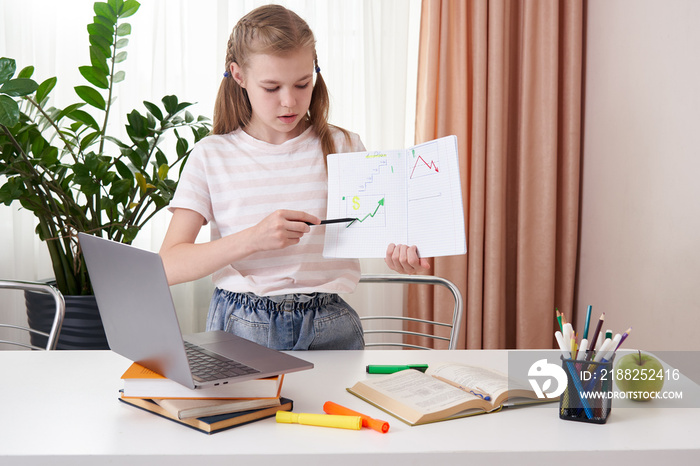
x: 61, y: 163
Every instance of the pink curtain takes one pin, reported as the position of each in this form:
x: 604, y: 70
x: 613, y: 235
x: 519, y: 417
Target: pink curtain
x: 505, y: 77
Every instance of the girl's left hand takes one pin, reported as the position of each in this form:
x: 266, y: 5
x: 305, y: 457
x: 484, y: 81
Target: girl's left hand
x: 404, y: 259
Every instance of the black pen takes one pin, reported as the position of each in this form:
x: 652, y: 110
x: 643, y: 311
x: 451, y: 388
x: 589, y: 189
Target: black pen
x: 334, y: 220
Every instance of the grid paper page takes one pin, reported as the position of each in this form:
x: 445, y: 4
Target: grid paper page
x: 410, y: 196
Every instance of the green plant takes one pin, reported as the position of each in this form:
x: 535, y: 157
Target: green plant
x: 61, y: 164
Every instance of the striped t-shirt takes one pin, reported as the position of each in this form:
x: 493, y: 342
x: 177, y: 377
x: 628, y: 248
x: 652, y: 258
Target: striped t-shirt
x: 234, y: 181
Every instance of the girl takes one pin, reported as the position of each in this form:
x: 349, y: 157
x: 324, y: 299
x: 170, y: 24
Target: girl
x: 260, y: 182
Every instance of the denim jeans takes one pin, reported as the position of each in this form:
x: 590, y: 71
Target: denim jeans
x: 317, y: 321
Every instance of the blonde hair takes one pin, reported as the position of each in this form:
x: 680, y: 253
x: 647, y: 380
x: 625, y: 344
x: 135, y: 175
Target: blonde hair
x: 273, y: 30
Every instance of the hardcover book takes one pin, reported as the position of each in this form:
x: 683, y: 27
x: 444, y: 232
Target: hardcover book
x: 212, y: 424
x: 140, y: 382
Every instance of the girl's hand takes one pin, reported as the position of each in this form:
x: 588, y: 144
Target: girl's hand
x: 404, y: 259
x: 282, y: 228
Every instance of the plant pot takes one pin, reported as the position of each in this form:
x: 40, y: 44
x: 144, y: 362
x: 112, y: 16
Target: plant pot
x: 82, y: 326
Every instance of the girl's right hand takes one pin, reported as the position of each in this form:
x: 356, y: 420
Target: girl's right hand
x: 184, y: 260
x: 282, y: 228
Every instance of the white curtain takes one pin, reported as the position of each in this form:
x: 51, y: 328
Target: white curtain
x: 367, y: 53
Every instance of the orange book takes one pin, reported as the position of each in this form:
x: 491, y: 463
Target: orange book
x: 140, y: 382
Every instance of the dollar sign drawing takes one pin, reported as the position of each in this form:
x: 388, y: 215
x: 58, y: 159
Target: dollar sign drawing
x: 356, y: 203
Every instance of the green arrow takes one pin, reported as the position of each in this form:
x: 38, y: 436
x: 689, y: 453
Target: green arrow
x: 380, y: 203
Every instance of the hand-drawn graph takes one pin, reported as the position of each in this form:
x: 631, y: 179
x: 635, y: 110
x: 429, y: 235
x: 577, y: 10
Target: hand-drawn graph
x: 409, y: 196
x: 368, y: 211
x: 424, y: 164
x: 375, y: 173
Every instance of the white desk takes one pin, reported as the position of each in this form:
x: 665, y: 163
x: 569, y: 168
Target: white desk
x: 61, y: 407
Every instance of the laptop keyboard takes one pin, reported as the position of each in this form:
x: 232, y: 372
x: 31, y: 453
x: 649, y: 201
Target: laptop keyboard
x: 207, y: 366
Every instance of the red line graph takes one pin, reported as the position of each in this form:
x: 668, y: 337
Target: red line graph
x: 431, y: 165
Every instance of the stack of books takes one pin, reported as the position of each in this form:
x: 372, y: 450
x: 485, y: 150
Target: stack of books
x: 208, y: 410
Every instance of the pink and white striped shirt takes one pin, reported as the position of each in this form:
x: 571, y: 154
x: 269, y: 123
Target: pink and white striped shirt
x: 235, y: 180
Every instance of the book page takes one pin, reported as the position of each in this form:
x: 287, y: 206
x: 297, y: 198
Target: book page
x: 411, y: 197
x: 423, y: 393
x: 493, y: 383
x: 469, y: 377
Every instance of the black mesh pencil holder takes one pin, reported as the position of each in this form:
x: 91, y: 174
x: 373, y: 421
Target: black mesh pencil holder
x: 588, y: 394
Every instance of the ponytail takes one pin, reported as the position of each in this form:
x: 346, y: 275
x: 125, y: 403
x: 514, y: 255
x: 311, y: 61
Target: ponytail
x: 232, y: 108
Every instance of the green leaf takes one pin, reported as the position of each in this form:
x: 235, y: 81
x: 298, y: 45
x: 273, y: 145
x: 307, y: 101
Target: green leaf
x: 38, y: 145
x: 19, y: 87
x: 130, y: 7
x: 116, y: 141
x: 181, y: 106
x: 89, y: 139
x: 121, y: 188
x: 91, y: 96
x: 141, y: 181
x: 121, y: 43
x: 13, y: 189
x: 138, y: 125
x: 85, y: 118
x: 49, y: 156
x: 163, y: 171
x: 170, y: 103
x: 161, y: 159
x: 7, y: 69
x: 104, y: 45
x: 98, y: 59
x: 103, y: 20
x: 124, y: 29
x: 181, y: 147
x: 102, y: 171
x: 95, y: 76
x: 9, y: 111
x: 119, y: 76
x: 67, y: 111
x: 26, y: 72
x: 45, y: 88
x: 123, y: 170
x: 134, y: 158
x: 104, y: 9
x: 121, y: 56
x: 98, y: 30
x: 116, y: 5
x: 155, y: 111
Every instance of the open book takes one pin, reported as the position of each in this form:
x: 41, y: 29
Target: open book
x: 408, y: 196
x: 445, y: 391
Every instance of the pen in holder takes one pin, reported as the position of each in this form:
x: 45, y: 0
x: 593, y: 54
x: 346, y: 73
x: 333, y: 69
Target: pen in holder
x: 587, y: 395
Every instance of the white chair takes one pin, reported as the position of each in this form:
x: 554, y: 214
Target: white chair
x: 453, y: 325
x: 52, y: 336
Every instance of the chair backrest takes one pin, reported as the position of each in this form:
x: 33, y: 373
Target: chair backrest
x: 60, y: 310
x: 453, y: 325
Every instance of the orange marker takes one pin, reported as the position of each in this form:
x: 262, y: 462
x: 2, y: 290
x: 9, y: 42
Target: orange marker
x: 380, y: 426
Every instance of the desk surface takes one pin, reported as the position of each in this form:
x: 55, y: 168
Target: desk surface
x: 64, y: 404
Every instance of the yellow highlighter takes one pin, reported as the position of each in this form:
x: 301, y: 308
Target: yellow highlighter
x: 321, y: 420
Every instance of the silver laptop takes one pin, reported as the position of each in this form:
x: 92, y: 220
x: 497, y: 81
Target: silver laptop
x: 140, y: 322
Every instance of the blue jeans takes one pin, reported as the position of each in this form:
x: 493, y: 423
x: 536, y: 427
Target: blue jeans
x: 317, y: 321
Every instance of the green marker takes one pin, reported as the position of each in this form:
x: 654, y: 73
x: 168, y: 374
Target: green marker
x: 390, y: 369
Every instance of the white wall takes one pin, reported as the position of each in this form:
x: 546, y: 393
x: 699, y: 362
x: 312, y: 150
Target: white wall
x: 640, y: 222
